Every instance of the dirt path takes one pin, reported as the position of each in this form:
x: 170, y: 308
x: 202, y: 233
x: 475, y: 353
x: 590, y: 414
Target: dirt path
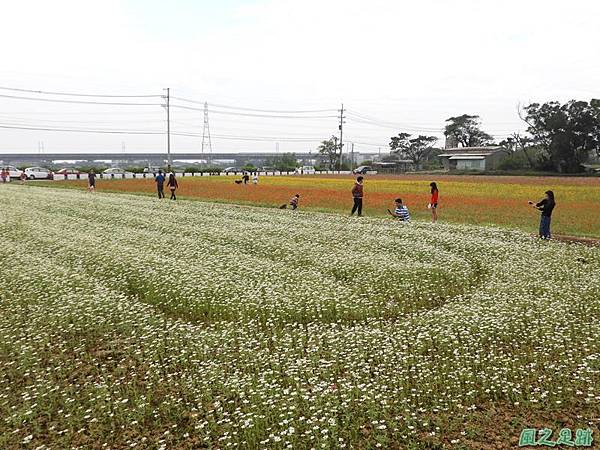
x: 591, y: 242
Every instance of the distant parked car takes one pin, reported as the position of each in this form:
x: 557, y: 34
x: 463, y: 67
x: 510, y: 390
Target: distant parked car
x: 116, y: 171
x: 13, y: 172
x: 38, y: 173
x: 230, y: 170
x: 151, y: 169
x: 362, y: 170
x: 67, y: 171
x: 305, y: 170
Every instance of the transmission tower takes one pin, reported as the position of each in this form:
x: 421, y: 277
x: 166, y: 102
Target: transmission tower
x: 206, y: 133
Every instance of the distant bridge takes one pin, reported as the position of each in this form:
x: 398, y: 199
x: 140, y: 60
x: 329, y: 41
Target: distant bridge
x: 152, y: 158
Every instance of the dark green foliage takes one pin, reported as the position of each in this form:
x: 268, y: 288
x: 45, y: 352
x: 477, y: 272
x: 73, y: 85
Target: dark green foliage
x: 286, y: 162
x: 329, y: 150
x: 416, y: 149
x: 466, y: 131
x: 568, y: 133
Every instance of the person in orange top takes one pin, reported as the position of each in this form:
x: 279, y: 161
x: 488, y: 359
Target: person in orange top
x: 433, y: 203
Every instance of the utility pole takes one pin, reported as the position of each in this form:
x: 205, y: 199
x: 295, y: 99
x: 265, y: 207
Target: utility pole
x: 335, y: 146
x: 352, y: 158
x: 168, y: 97
x: 341, y: 127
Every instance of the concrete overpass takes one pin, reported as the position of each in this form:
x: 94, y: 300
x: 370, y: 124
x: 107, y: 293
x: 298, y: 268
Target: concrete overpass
x: 153, y: 158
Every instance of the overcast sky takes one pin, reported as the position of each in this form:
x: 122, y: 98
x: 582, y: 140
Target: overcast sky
x: 406, y: 65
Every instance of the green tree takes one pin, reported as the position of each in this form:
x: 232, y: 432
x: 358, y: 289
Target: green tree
x: 329, y: 150
x: 416, y: 149
x: 284, y: 162
x: 517, y: 143
x: 567, y: 133
x: 466, y: 131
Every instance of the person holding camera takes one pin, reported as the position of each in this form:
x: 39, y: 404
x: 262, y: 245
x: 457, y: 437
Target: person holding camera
x: 546, y: 206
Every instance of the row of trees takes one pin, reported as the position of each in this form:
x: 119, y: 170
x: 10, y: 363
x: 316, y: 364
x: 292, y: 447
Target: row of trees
x: 559, y: 137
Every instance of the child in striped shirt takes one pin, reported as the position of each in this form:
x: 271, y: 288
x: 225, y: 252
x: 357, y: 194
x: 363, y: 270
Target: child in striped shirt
x: 401, y: 211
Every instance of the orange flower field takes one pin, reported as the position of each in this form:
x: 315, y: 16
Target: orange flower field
x: 483, y: 200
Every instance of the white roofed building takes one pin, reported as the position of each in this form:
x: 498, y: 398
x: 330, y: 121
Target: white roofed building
x: 473, y: 158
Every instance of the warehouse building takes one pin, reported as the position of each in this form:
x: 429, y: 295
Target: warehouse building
x: 473, y: 158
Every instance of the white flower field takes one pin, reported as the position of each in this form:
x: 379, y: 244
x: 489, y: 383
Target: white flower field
x: 127, y: 322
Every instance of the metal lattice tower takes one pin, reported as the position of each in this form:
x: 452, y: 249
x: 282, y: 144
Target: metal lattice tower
x: 206, y: 143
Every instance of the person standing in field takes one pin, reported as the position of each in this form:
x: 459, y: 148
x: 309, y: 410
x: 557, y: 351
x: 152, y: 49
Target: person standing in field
x: 3, y: 174
x: 245, y: 177
x: 400, y: 211
x: 546, y: 206
x: 23, y: 177
x: 91, y: 181
x: 293, y: 203
x: 433, y: 202
x: 172, y: 183
x: 357, y: 195
x: 160, y: 180
x: 255, y: 178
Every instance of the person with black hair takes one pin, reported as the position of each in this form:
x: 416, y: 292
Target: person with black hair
x: 293, y: 203
x: 546, y: 206
x: 160, y: 180
x: 173, y: 185
x: 400, y: 211
x: 91, y: 181
x: 357, y: 195
x: 433, y: 202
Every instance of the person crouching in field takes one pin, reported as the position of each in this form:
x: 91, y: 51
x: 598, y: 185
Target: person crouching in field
x: 293, y: 203
x: 357, y: 195
x: 172, y: 183
x: 91, y: 181
x: 546, y: 205
x: 433, y: 202
x: 23, y: 177
x: 160, y: 181
x: 400, y: 211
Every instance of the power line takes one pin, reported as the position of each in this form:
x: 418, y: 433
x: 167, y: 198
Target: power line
x: 359, y: 119
x: 253, y: 115
x: 77, y: 94
x: 88, y: 122
x: 78, y: 101
x: 370, y: 144
x: 249, y: 138
x: 160, y: 133
x: 73, y: 130
x: 305, y: 111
